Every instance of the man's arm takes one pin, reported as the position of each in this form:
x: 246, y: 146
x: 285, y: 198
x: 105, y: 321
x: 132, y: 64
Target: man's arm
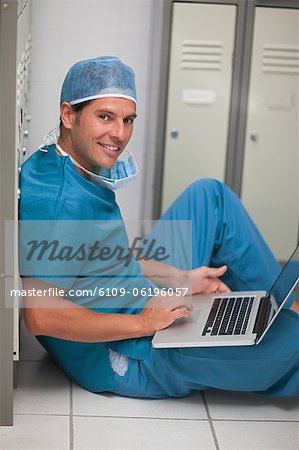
x: 164, y: 274
x: 58, y: 317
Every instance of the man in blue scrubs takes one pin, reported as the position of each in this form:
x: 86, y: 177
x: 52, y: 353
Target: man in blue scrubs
x: 108, y: 349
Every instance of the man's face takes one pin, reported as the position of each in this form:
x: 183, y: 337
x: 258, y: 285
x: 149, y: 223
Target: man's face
x: 100, y: 132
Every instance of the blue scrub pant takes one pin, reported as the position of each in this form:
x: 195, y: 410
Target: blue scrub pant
x: 222, y: 233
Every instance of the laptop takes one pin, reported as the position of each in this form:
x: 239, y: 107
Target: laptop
x: 237, y: 318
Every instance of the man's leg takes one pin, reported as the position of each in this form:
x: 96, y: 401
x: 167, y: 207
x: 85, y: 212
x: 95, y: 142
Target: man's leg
x: 224, y: 233
x: 270, y: 368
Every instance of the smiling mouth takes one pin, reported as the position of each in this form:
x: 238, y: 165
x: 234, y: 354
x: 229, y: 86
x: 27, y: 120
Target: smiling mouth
x: 110, y: 148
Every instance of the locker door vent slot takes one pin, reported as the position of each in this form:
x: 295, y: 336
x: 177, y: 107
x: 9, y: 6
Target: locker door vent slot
x: 280, y: 59
x: 201, y: 55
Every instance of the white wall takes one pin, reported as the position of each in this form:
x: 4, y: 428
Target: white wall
x: 66, y: 31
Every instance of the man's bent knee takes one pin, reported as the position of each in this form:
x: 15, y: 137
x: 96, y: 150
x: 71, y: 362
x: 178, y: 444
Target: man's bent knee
x: 207, y: 185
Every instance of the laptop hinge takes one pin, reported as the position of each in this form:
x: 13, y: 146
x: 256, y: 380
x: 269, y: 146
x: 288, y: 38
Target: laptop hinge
x: 262, y: 317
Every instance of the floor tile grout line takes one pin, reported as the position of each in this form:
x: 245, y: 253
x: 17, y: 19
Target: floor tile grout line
x: 210, y: 421
x: 156, y: 418
x: 71, y: 421
x: 257, y: 420
x: 141, y: 418
x: 41, y: 414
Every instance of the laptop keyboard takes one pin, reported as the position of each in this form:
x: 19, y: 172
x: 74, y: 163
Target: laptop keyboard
x: 228, y: 316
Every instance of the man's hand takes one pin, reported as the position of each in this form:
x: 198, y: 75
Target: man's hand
x: 160, y: 312
x: 201, y: 280
x: 205, y: 280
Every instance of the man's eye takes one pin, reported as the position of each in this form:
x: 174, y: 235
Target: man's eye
x: 128, y: 120
x: 104, y: 117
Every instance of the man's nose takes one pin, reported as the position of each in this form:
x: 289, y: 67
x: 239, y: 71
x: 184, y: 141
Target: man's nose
x: 118, y: 131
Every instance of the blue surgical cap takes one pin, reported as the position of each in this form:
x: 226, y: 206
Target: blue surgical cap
x: 105, y: 76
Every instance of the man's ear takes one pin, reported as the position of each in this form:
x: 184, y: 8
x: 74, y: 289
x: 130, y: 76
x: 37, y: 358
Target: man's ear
x: 67, y: 115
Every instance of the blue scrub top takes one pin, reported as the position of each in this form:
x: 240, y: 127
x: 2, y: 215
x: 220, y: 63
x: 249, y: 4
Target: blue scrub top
x: 53, y: 190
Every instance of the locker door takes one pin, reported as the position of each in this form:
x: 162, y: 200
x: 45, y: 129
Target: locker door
x: 270, y: 172
x: 198, y: 95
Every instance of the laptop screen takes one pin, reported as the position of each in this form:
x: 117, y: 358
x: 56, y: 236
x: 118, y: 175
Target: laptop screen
x: 286, y: 279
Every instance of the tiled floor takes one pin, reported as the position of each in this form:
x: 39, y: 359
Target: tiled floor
x: 52, y: 413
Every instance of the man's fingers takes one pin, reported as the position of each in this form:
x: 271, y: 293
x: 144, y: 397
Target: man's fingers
x: 216, y: 272
x: 170, y: 302
x: 188, y: 303
x: 180, y: 312
x: 177, y: 302
x: 222, y: 288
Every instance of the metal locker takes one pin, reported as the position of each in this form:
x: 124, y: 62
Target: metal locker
x: 270, y: 170
x: 8, y: 49
x: 202, y: 46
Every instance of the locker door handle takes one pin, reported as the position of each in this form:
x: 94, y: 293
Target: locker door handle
x: 254, y: 136
x: 174, y: 134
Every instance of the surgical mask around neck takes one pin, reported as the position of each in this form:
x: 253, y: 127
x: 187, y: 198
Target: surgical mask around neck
x: 120, y: 175
x: 50, y: 138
